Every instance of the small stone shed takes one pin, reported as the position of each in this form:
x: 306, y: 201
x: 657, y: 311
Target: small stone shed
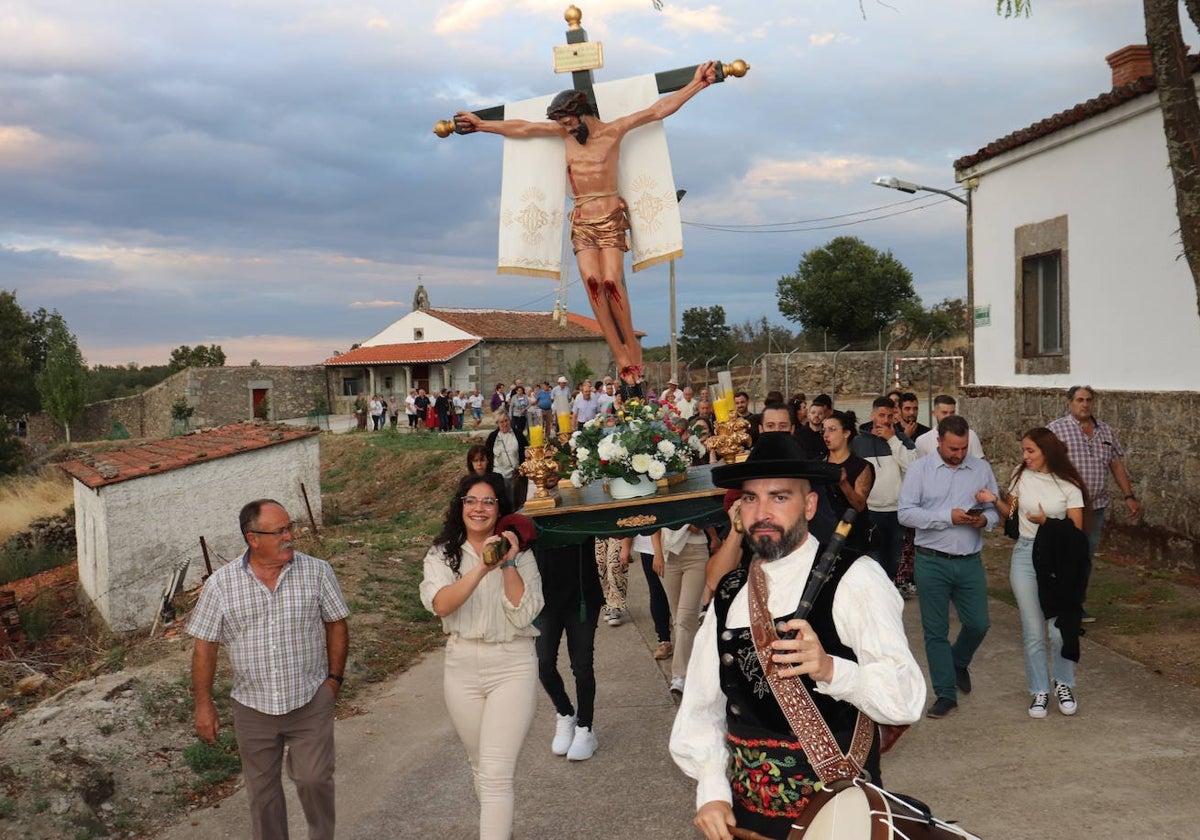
x: 140, y: 511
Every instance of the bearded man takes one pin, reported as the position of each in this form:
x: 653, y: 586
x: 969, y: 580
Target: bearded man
x: 850, y: 656
x: 600, y: 219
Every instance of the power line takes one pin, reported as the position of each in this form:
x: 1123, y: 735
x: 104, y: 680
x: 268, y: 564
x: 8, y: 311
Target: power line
x: 797, y: 226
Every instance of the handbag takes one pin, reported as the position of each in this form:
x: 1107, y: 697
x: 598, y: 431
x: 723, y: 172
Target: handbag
x: 1012, y: 526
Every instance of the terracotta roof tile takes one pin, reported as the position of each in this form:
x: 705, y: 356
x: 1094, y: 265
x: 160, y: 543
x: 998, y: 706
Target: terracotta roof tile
x: 159, y: 456
x: 419, y: 352
x: 1072, y: 116
x: 518, y: 325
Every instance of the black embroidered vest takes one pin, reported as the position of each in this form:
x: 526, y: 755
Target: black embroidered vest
x: 751, y: 710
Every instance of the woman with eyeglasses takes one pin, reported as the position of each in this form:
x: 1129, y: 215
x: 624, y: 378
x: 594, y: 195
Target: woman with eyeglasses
x: 487, y: 607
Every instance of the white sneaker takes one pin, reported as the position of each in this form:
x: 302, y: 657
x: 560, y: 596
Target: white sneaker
x: 677, y: 687
x: 583, y: 745
x: 1066, y: 698
x: 564, y: 732
x: 616, y: 617
x: 1037, y: 708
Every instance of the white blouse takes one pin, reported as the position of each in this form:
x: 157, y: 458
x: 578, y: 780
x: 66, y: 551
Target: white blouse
x: 1054, y: 494
x: 487, y: 614
x: 886, y: 683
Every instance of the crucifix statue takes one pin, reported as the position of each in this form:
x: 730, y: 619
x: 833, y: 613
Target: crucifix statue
x: 600, y: 218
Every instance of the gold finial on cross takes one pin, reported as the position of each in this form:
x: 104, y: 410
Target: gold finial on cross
x: 573, y: 16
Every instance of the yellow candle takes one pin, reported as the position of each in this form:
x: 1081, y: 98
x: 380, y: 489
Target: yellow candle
x: 721, y: 410
x: 564, y: 422
x: 537, y: 435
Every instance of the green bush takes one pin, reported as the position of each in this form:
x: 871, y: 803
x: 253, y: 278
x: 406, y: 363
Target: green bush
x: 214, y: 763
x: 18, y: 561
x: 38, y: 617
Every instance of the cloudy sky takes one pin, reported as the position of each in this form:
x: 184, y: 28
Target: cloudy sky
x: 262, y: 174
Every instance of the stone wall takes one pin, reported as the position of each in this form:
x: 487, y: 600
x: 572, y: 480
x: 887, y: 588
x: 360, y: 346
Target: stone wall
x: 1162, y: 454
x: 219, y: 395
x: 540, y: 362
x: 223, y: 395
x: 859, y: 374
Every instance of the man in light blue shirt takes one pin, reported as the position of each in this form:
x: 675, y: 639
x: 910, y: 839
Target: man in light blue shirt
x: 938, y: 499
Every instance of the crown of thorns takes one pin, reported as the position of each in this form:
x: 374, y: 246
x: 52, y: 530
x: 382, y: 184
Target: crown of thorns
x: 573, y: 103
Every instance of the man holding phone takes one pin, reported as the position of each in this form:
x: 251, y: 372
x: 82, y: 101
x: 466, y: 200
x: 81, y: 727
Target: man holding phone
x: 939, y: 498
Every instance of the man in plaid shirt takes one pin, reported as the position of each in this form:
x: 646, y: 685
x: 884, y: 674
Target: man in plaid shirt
x: 282, y: 618
x: 1095, y: 451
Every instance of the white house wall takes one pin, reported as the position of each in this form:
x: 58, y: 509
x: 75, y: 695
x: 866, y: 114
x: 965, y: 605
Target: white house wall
x: 144, y: 527
x: 1132, y: 304
x: 401, y: 332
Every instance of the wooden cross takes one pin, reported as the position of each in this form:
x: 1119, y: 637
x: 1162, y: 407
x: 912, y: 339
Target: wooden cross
x: 667, y: 80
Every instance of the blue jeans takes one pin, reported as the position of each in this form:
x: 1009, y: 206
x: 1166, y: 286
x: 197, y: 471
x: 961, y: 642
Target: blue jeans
x: 1093, y: 533
x: 1034, y: 626
x: 941, y: 581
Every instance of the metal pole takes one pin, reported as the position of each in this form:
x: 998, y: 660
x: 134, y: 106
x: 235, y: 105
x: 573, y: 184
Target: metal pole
x: 756, y: 383
x: 674, y: 358
x: 886, y: 351
x: 787, y: 372
x: 679, y: 194
x: 707, y: 375
x: 833, y: 386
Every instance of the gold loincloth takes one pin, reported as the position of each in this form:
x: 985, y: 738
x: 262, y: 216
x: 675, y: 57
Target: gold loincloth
x: 608, y: 231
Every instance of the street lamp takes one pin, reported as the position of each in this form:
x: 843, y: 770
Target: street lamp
x: 894, y: 183
x: 679, y: 194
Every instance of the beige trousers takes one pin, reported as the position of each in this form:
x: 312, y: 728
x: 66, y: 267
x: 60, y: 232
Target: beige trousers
x: 491, y: 695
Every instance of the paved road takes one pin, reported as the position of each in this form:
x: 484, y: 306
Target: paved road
x: 1123, y: 767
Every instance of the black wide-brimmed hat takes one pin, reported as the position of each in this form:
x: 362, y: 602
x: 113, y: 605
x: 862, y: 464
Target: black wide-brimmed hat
x: 776, y: 455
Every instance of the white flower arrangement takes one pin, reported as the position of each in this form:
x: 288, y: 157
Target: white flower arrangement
x: 642, y: 441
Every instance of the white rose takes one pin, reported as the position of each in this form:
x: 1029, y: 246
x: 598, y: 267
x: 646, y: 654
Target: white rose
x: 657, y: 470
x: 666, y: 448
x: 583, y: 453
x: 642, y: 462
x: 575, y: 478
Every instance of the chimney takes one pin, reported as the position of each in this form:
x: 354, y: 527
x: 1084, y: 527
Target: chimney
x: 1129, y: 64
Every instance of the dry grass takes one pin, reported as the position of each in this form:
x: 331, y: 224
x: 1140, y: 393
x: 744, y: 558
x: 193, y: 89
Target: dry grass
x: 24, y: 499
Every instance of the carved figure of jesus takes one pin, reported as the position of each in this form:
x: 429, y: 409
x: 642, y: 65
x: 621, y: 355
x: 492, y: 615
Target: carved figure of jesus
x: 600, y: 219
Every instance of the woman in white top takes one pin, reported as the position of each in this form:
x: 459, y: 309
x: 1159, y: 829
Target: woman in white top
x: 490, y: 678
x: 1045, y: 486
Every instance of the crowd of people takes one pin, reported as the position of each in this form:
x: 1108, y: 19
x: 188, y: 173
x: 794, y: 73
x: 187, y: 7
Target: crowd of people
x: 722, y: 600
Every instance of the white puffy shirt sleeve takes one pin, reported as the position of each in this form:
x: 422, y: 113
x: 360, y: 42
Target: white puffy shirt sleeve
x: 886, y: 683
x: 698, y: 735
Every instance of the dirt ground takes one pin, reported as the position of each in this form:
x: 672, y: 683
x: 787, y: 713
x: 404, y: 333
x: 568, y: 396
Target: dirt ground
x: 97, y: 748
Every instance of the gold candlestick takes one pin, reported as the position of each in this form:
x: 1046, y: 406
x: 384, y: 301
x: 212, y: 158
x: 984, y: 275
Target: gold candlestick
x: 541, y: 468
x: 731, y: 440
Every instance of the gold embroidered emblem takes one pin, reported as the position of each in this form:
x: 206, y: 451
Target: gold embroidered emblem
x: 650, y: 202
x: 533, y: 218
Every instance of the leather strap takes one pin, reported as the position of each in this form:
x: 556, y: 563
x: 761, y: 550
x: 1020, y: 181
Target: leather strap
x: 811, y: 730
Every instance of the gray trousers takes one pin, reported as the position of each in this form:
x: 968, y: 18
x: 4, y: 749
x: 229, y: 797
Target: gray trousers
x: 307, y: 732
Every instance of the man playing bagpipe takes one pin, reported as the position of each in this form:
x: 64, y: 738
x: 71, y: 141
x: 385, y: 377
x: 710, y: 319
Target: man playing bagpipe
x: 783, y: 697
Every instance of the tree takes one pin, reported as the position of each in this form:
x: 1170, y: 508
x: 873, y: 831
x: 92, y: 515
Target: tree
x: 63, y: 382
x: 1180, y: 111
x: 198, y: 356
x: 757, y: 337
x: 579, y: 371
x: 705, y: 334
x: 22, y: 356
x: 848, y: 288
x: 18, y: 396
x: 946, y: 319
